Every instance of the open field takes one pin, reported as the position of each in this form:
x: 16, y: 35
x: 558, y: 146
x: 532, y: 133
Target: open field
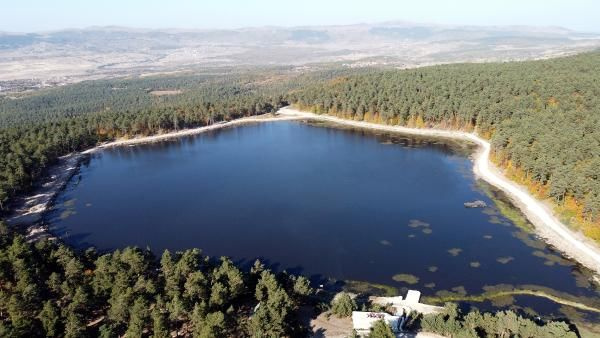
x: 37, y: 60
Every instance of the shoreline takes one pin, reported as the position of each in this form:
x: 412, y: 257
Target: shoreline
x: 31, y: 208
x: 572, y: 244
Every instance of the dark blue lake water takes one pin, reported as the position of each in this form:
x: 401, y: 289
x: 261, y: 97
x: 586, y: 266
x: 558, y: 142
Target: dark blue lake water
x: 324, y: 202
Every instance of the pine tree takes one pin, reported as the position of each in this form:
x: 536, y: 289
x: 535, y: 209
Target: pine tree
x: 138, y: 318
x: 381, y: 330
x: 50, y: 318
x: 160, y: 327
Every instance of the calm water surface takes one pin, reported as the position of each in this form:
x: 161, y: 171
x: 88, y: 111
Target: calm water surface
x: 324, y: 202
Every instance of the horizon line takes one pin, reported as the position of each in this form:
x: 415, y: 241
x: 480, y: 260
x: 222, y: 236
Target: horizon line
x: 361, y: 23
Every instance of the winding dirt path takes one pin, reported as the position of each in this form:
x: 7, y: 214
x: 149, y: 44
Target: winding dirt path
x: 486, y: 296
x: 571, y: 243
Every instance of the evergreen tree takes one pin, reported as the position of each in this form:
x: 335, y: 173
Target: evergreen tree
x: 343, y: 305
x: 381, y: 330
x: 50, y: 318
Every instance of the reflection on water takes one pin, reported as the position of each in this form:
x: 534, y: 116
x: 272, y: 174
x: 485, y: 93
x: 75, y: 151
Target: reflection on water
x: 329, y: 203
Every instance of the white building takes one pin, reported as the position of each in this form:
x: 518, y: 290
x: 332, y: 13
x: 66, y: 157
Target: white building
x: 363, y: 321
x: 413, y: 297
x: 408, y: 304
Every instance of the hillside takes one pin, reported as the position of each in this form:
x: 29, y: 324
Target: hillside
x: 35, y: 60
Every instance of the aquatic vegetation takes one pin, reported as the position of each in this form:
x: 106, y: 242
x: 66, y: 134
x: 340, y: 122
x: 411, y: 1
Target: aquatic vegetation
x: 582, y: 280
x: 505, y: 260
x: 551, y: 259
x: 495, y: 220
x: 406, y: 278
x: 415, y: 223
x: 457, y: 291
x: 490, y: 211
x: 503, y: 301
x: 69, y: 203
x: 455, y: 251
x: 363, y: 287
x: 501, y: 290
x: 529, y: 240
x: 572, y: 313
x: 430, y: 285
x: 67, y: 213
x: 475, y: 264
x: 505, y: 207
x: 432, y: 268
x: 460, y: 290
x: 529, y: 311
x: 427, y: 231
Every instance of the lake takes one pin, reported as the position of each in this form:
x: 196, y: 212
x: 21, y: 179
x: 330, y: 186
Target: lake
x: 329, y: 203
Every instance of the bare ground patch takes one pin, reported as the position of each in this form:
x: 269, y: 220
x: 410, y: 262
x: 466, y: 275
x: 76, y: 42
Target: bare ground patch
x: 166, y: 92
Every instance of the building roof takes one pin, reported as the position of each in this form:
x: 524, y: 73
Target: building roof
x: 413, y: 296
x: 363, y: 321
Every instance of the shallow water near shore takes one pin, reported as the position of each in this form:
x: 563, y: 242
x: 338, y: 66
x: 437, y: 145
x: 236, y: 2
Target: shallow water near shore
x: 329, y: 203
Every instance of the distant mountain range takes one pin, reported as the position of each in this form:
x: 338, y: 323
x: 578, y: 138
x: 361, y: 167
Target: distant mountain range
x: 97, y: 52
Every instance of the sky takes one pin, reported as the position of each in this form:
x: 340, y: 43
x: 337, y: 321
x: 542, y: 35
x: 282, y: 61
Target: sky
x: 44, y: 15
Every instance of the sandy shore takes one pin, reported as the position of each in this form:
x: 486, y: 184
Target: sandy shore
x: 30, y: 208
x: 193, y: 131
x: 571, y: 243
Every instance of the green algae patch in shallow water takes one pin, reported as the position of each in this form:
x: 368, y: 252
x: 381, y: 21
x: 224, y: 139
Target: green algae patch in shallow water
x: 70, y: 203
x: 384, y: 242
x: 460, y: 290
x: 529, y: 240
x: 490, y: 211
x: 455, y: 251
x: 551, y: 259
x: 362, y: 287
x: 415, y: 223
x: 503, y: 290
x: 504, y: 207
x: 406, y: 278
x: 503, y: 301
x: 67, y: 213
x: 505, y: 260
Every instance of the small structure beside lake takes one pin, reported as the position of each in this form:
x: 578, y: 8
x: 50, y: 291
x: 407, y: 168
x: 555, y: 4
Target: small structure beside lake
x: 362, y: 321
x: 402, y: 307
